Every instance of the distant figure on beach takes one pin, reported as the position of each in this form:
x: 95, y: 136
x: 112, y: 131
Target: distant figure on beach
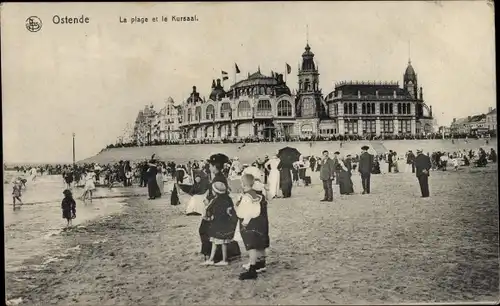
x: 273, y: 179
x: 153, y: 189
x: 16, y: 193
x: 326, y: 175
x: 33, y: 173
x: 89, y: 186
x: 68, y: 207
x: 423, y: 166
x: 68, y: 178
x: 365, y: 168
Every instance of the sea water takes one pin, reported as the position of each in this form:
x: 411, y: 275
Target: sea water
x: 35, y: 228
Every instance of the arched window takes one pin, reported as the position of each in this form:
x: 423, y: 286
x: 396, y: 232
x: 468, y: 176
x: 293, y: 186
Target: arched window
x: 284, y: 108
x: 210, y: 112
x: 373, y: 108
x: 391, y: 108
x: 190, y: 115
x: 244, y: 109
x: 355, y: 108
x: 345, y: 108
x: 262, y: 90
x: 349, y: 108
x: 197, y: 113
x: 268, y: 91
x: 363, y: 108
x: 408, y: 108
x: 386, y: 108
x: 401, y: 110
x: 225, y: 110
x: 264, y: 108
x: 255, y: 90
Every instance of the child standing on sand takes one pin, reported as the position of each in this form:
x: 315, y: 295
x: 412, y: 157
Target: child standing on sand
x: 251, y: 210
x: 222, y: 222
x: 16, y: 193
x: 68, y: 207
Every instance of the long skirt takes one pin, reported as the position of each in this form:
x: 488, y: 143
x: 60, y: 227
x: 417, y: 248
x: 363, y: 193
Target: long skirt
x: 286, y: 182
x: 196, y: 205
x: 274, y: 183
x: 153, y: 189
x: 159, y: 181
x: 345, y: 183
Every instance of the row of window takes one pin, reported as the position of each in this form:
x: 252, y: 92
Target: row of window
x: 369, y: 108
x: 244, y: 109
x: 370, y: 126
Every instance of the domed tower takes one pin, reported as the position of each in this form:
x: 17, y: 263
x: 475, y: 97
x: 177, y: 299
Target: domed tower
x: 410, y: 83
x: 309, y: 95
x: 217, y: 91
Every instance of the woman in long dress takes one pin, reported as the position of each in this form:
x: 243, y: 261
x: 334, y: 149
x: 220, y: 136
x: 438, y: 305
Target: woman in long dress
x: 345, y: 182
x: 273, y: 180
x: 153, y: 189
x: 89, y: 186
x: 286, y: 183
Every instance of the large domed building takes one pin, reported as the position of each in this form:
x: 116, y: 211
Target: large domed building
x: 254, y: 106
x: 263, y: 106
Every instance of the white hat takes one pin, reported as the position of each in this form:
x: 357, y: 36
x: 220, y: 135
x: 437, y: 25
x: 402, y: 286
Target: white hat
x: 254, y: 171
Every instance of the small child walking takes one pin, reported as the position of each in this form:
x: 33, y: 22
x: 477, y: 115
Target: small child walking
x: 68, y: 207
x: 16, y: 193
x: 222, y: 223
x: 254, y: 227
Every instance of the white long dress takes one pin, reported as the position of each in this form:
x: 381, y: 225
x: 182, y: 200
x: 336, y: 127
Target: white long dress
x: 89, y: 182
x: 273, y: 180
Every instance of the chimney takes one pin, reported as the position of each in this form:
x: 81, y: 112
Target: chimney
x: 194, y: 89
x: 213, y: 84
x: 454, y: 120
x: 218, y: 83
x: 468, y: 118
x: 490, y: 109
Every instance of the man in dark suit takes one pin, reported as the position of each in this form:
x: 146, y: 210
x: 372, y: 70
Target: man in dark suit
x: 423, y: 166
x: 365, y: 168
x: 390, y: 160
x: 410, y: 161
x: 326, y: 174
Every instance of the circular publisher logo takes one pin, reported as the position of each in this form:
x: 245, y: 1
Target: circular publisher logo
x: 33, y: 24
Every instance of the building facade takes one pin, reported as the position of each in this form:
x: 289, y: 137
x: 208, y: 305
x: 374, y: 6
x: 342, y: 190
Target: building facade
x: 475, y: 125
x: 158, y: 126
x: 264, y: 107
x: 491, y: 120
x: 259, y: 106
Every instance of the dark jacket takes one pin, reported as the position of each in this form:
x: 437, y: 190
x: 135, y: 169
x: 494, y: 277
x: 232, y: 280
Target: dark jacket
x: 219, y: 177
x: 365, y: 163
x: 410, y: 158
x: 222, y: 217
x: 327, y: 169
x: 422, y: 162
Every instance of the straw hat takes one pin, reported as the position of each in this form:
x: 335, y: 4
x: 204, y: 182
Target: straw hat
x: 219, y: 187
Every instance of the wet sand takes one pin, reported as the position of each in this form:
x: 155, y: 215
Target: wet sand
x: 387, y: 247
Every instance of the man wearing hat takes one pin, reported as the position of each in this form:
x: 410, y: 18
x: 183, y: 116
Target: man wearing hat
x: 326, y: 174
x: 410, y: 161
x: 365, y: 168
x: 423, y: 166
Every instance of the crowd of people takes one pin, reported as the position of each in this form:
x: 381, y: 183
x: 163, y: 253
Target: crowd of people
x: 227, y: 220
x: 256, y: 139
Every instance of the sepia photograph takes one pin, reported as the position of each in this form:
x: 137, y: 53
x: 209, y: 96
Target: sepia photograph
x: 250, y: 153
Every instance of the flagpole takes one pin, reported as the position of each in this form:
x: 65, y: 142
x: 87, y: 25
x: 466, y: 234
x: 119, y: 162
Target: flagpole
x: 286, y: 71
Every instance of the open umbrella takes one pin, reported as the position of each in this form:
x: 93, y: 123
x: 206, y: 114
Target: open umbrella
x: 288, y: 156
x: 219, y: 158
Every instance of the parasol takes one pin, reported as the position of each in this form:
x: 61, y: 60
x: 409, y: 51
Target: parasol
x: 288, y: 156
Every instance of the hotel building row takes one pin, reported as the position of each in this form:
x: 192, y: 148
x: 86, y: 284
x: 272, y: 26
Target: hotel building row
x: 264, y: 107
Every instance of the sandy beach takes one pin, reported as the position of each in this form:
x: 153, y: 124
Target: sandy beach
x: 387, y: 247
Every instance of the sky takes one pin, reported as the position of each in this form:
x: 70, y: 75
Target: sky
x: 92, y: 79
